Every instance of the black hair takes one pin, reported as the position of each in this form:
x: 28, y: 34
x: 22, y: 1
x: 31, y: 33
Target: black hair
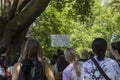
x: 99, y: 47
x: 60, y: 52
x: 3, y: 49
x: 116, y: 46
x: 61, y: 63
x: 54, y: 59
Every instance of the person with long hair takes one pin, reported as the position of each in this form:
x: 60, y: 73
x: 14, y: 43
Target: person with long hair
x: 90, y: 71
x: 31, y: 64
x: 72, y: 71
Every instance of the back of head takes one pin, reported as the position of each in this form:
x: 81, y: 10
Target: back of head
x: 84, y: 54
x: 116, y: 46
x: 69, y: 54
x: 99, y: 47
x: 54, y: 59
x: 60, y: 52
x: 32, y: 50
x: 3, y: 49
x: 70, y: 57
x: 61, y: 63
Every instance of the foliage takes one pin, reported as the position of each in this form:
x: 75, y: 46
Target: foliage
x: 79, y: 18
x: 74, y: 8
x: 50, y: 22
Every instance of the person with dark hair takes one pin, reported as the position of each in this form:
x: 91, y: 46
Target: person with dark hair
x: 32, y: 65
x: 53, y: 63
x: 3, y: 49
x: 60, y: 52
x: 61, y: 64
x: 115, y: 50
x: 54, y: 60
x: 100, y: 67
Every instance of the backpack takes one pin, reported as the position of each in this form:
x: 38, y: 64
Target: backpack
x: 32, y: 70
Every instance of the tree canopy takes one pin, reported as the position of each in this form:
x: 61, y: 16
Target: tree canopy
x: 82, y: 19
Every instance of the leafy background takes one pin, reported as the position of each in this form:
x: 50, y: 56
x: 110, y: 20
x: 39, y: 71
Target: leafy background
x: 83, y: 20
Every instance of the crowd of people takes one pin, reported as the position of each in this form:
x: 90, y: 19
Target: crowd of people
x: 32, y: 65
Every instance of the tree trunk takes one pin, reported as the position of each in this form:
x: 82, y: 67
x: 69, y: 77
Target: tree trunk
x: 13, y: 28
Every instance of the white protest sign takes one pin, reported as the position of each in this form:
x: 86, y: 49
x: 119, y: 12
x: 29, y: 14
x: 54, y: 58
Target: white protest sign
x: 58, y: 40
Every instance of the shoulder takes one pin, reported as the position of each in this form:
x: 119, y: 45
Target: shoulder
x: 16, y: 67
x: 67, y: 72
x: 18, y: 64
x: 111, y: 61
x: 16, y: 70
x: 88, y: 63
x: 68, y: 68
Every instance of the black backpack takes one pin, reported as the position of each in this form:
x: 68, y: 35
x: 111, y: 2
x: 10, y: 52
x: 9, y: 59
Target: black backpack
x: 32, y: 70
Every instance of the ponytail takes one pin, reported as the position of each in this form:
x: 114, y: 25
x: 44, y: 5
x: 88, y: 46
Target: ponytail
x: 77, y: 68
x: 70, y: 57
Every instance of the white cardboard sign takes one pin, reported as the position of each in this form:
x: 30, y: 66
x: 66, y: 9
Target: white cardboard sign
x: 58, y: 40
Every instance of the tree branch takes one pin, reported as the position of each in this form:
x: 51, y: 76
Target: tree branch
x: 21, y: 4
x: 3, y: 22
x: 13, y: 9
x: 24, y: 19
x: 18, y: 5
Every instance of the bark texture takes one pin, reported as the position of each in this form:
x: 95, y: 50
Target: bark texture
x: 14, y: 24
